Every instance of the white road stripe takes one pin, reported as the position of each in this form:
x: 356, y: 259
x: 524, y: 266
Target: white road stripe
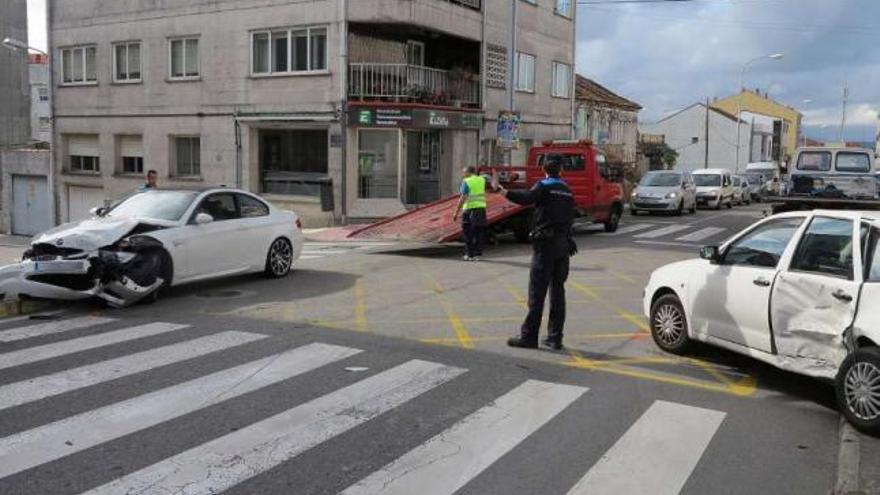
x: 77, y: 433
x: 226, y: 461
x: 661, y: 232
x: 450, y: 460
x: 701, y: 234
x: 628, y: 229
x: 34, y: 354
x: 50, y: 327
x: 44, y: 386
x: 656, y: 455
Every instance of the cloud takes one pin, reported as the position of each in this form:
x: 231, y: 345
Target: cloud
x: 667, y: 56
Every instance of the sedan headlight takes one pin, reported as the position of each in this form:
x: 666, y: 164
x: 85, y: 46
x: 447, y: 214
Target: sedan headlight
x: 712, y: 194
x: 672, y: 195
x: 635, y: 194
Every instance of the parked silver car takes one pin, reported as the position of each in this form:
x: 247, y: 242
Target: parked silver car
x: 664, y: 190
x: 741, y: 190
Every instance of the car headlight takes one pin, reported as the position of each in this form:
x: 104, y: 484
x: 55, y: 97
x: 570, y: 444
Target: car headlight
x: 712, y: 194
x: 672, y: 195
x: 635, y: 194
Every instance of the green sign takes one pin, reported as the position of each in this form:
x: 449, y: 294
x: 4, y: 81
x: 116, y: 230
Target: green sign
x: 365, y: 117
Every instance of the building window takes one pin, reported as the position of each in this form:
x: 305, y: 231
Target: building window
x: 44, y: 123
x: 561, y: 80
x: 496, y: 66
x: 525, y: 72
x: 293, y: 161
x: 83, y: 153
x: 378, y: 164
x: 127, y: 62
x: 44, y: 94
x: 78, y: 65
x: 289, y: 51
x: 130, y: 150
x: 184, y: 55
x: 187, y: 156
x: 563, y: 7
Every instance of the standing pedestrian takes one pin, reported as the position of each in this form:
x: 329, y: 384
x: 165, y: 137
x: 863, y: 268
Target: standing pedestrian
x: 472, y: 206
x: 152, y: 177
x: 551, y: 248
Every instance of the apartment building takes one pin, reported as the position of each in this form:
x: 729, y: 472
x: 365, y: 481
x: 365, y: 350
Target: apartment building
x: 381, y: 100
x: 14, y: 108
x: 38, y: 69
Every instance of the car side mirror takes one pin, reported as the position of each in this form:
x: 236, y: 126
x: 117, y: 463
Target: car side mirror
x: 203, y: 218
x: 710, y: 253
x: 98, y: 211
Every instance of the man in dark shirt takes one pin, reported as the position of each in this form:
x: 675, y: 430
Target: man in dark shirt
x: 551, y: 243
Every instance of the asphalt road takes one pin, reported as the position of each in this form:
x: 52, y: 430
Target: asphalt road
x: 383, y: 369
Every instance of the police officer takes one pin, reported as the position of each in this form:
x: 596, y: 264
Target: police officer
x: 552, y: 245
x: 152, y: 175
x: 473, y: 203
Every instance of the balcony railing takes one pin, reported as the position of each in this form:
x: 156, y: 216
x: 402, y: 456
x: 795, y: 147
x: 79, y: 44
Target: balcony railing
x: 413, y: 83
x: 474, y: 4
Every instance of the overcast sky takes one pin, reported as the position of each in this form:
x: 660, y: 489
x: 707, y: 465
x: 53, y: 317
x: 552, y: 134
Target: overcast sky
x: 669, y: 55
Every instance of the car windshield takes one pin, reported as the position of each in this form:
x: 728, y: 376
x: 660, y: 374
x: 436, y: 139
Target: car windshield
x: 159, y: 205
x: 707, y: 180
x: 661, y: 180
x: 853, y: 162
x: 755, y: 179
x: 737, y: 181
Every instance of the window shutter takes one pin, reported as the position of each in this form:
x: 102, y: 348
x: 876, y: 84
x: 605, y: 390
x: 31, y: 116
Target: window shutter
x: 131, y: 146
x: 83, y: 145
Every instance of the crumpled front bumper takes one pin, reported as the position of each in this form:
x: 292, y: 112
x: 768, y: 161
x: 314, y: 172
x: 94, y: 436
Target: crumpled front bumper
x: 19, y: 279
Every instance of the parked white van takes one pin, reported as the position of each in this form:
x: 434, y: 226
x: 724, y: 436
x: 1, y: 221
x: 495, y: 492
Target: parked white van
x: 714, y: 187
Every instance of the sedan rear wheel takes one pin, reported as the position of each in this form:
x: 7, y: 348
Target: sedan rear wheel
x: 279, y: 259
x: 858, y: 390
x: 669, y: 325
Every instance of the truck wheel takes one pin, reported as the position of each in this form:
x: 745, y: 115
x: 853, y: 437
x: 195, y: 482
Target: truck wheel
x: 858, y: 390
x: 614, y: 220
x: 669, y: 327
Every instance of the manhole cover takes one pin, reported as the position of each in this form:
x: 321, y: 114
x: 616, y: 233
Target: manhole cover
x: 220, y: 294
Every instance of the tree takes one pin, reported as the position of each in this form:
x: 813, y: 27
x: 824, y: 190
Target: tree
x: 660, y: 155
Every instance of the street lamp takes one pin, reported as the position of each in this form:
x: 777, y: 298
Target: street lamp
x: 16, y: 45
x: 742, y: 86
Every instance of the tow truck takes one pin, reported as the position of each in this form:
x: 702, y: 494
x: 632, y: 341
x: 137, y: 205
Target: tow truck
x: 829, y: 177
x: 596, y: 185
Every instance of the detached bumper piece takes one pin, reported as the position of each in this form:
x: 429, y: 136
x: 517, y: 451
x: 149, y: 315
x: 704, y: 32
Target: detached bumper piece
x: 105, y: 275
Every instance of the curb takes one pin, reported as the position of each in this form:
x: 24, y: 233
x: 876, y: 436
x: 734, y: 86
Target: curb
x: 21, y: 308
x: 848, y: 461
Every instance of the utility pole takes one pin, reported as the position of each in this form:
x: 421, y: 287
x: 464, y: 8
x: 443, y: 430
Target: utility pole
x: 706, y: 139
x: 843, y: 116
x: 511, y: 80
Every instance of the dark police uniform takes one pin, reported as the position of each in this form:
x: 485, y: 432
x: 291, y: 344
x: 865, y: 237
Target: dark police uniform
x: 550, y: 236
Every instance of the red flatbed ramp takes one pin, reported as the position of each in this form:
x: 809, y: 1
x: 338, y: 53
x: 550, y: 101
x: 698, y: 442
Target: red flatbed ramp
x: 433, y: 222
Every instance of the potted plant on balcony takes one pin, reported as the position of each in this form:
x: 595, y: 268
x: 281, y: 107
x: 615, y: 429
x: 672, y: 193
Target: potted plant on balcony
x: 458, y: 82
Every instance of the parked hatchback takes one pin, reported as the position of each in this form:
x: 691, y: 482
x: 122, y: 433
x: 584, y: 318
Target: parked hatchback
x: 714, y: 187
x: 664, y: 190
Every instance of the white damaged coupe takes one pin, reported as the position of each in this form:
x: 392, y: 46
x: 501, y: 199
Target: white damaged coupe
x: 155, y: 239
x: 798, y: 290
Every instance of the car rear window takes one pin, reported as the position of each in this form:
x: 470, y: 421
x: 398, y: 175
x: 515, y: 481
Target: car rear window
x: 815, y: 161
x: 570, y: 161
x: 853, y: 162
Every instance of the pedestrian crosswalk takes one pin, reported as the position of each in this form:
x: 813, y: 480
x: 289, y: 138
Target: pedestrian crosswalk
x: 648, y: 233
x: 444, y: 461
x: 318, y: 250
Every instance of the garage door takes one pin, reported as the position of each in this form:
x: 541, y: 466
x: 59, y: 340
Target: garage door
x: 82, y: 199
x: 30, y: 204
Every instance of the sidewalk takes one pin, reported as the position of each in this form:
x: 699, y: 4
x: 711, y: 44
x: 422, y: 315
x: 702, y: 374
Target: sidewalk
x: 11, y: 247
x: 331, y: 234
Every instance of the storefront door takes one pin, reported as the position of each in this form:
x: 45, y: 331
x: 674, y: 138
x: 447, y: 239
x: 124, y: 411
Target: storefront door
x: 422, y: 172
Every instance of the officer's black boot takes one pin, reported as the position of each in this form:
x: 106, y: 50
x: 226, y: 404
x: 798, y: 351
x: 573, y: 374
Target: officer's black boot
x: 555, y: 344
x: 522, y: 342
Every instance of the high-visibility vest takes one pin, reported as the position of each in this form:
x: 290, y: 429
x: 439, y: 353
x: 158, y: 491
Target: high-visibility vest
x: 476, y: 192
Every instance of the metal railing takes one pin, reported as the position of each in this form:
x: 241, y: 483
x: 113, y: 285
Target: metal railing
x: 474, y: 4
x: 402, y: 82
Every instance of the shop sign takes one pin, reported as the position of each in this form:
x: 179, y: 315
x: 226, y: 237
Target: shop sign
x: 508, y: 129
x: 416, y: 118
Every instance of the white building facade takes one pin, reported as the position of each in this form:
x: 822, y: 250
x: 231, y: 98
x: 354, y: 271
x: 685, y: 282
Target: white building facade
x: 38, y: 68
x: 378, y: 102
x: 686, y: 132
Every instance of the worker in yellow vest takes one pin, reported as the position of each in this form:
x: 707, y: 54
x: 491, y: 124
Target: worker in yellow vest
x: 472, y: 206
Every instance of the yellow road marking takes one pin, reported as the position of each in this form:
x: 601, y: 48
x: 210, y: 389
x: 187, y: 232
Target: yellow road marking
x: 622, y: 276
x: 513, y: 291
x: 447, y: 340
x: 360, y: 306
x: 635, y: 319
x: 626, y: 315
x: 461, y: 332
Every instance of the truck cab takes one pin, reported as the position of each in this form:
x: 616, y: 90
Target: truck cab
x: 595, y: 183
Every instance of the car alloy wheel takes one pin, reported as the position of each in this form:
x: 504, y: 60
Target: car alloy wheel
x: 669, y: 324
x: 280, y: 258
x: 862, y: 391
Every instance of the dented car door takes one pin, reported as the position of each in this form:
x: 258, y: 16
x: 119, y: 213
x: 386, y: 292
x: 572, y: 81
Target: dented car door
x: 815, y: 299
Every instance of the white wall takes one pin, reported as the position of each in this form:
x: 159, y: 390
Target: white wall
x: 39, y: 78
x: 681, y: 129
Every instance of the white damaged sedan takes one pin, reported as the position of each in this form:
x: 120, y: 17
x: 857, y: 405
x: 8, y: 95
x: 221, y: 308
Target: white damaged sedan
x: 798, y: 290
x: 155, y: 239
